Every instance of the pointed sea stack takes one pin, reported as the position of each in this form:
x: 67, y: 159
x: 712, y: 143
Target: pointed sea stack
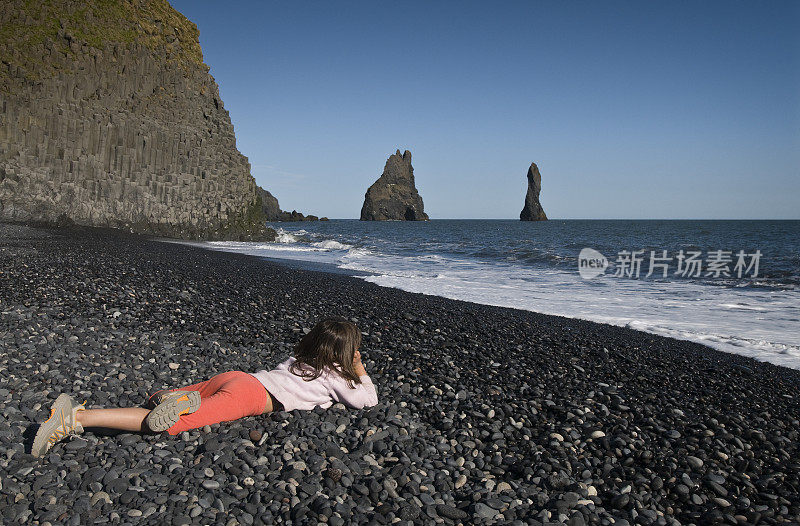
x: 532, y: 211
x: 393, y: 197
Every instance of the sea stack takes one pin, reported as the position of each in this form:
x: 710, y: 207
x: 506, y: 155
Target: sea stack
x: 394, y: 197
x: 533, y: 211
x: 109, y: 117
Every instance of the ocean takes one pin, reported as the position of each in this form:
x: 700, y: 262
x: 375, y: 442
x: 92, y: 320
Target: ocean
x: 731, y: 285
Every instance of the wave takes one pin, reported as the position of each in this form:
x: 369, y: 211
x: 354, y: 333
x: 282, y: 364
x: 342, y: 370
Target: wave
x: 330, y: 244
x: 285, y: 237
x: 775, y: 352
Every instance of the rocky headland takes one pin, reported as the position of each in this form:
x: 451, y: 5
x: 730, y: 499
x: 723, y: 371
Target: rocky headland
x: 487, y: 415
x: 109, y: 117
x: 532, y: 210
x: 394, y: 196
x: 272, y: 210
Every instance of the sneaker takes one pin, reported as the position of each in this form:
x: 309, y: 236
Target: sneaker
x: 165, y: 395
x: 171, y: 407
x: 62, y: 423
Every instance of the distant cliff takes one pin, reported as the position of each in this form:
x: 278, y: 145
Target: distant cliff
x: 109, y: 117
x: 533, y: 211
x: 394, y: 195
x: 272, y: 210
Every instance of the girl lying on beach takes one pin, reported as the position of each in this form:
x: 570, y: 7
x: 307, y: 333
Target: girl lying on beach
x: 326, y: 368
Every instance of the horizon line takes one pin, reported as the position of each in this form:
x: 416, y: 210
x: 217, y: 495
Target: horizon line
x: 550, y: 219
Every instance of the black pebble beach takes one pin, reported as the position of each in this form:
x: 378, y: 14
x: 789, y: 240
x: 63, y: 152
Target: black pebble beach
x: 487, y: 415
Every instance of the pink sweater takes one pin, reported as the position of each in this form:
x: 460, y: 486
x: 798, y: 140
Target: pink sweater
x: 296, y: 393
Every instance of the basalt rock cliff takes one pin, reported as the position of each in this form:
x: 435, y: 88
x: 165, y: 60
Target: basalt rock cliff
x: 394, y: 196
x: 533, y: 211
x: 109, y: 117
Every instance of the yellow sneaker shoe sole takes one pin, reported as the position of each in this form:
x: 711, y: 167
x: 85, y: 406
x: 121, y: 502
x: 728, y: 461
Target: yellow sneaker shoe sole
x: 167, y: 413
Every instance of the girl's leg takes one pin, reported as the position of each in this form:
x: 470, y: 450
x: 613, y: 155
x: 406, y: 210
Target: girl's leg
x: 237, y: 395
x: 124, y: 418
x: 226, y: 396
x: 132, y: 418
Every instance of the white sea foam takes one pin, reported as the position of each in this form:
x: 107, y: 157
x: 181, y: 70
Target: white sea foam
x: 330, y: 244
x: 760, y: 323
x: 286, y: 237
x: 742, y: 307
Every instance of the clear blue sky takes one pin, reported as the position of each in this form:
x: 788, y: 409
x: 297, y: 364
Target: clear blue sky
x: 631, y: 110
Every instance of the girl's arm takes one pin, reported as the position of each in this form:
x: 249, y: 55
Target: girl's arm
x: 359, y: 367
x: 364, y: 395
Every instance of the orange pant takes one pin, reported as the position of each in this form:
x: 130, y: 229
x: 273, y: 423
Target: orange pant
x: 224, y: 397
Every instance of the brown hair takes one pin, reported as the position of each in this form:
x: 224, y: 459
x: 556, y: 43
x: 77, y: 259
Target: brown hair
x: 331, y: 344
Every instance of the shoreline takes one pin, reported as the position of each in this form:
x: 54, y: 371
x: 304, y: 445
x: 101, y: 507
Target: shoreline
x: 720, y: 319
x: 330, y: 268
x: 487, y: 414
x: 298, y: 264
